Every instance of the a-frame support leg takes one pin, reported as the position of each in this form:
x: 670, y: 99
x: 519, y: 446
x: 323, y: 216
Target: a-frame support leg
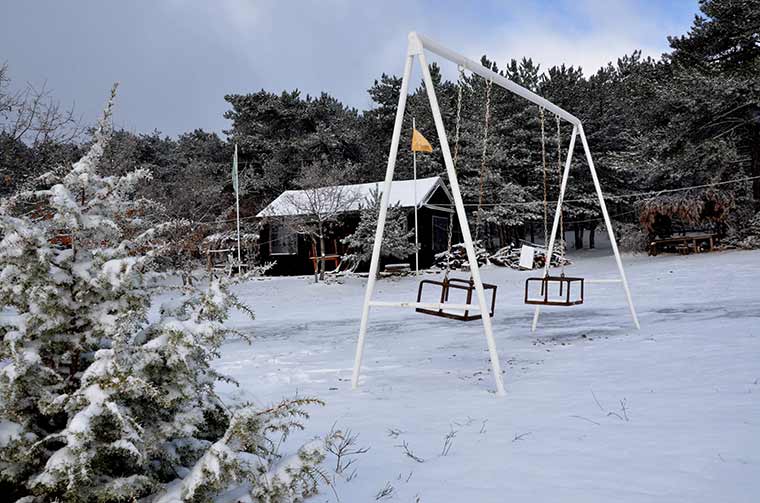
x: 579, y: 131
x: 610, y: 231
x: 415, y: 49
x: 463, y: 224
x: 381, y: 217
x: 557, y: 213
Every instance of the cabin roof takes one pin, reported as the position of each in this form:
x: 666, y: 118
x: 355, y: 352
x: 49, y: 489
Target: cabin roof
x: 402, y: 194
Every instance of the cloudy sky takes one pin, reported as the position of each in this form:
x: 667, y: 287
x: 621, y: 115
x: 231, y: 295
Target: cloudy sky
x: 176, y: 59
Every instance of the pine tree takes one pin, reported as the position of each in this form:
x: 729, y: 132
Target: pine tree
x: 715, y: 69
x: 397, y: 241
x: 99, y: 403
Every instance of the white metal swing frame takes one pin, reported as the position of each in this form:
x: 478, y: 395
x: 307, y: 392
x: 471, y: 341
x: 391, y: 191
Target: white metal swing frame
x: 416, y: 48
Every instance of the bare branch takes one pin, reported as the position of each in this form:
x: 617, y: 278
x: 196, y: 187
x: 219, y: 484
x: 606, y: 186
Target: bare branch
x: 409, y: 452
x: 33, y: 116
x: 448, y: 441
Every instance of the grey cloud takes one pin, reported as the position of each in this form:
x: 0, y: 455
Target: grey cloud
x: 177, y: 59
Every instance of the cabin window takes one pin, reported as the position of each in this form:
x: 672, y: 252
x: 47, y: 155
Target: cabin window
x: 440, y: 233
x: 283, y: 241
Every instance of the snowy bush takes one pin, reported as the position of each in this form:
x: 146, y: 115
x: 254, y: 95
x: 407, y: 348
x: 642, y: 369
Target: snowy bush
x: 99, y: 403
x: 632, y: 238
x: 752, y: 239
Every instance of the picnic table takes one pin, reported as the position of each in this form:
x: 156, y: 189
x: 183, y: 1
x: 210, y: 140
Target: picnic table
x: 684, y: 244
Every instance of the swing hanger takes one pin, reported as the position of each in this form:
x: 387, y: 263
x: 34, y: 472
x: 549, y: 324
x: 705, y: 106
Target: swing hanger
x: 448, y: 284
x: 570, y: 289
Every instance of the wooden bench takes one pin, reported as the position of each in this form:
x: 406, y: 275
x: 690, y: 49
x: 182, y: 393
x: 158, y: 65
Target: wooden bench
x: 683, y: 244
x: 398, y: 269
x: 327, y: 259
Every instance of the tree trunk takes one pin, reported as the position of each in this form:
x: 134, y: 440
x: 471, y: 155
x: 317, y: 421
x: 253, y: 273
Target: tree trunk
x: 592, y: 235
x: 316, y: 254
x: 578, y: 228
x: 321, y: 252
x: 532, y: 233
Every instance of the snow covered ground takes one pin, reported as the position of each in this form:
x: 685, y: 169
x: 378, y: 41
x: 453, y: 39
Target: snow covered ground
x: 689, y: 429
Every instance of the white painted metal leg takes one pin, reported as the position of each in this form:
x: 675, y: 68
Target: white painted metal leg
x: 557, y: 213
x: 381, y: 218
x: 416, y: 236
x: 608, y: 224
x: 466, y: 236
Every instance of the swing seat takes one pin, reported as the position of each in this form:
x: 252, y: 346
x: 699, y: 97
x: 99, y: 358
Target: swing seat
x: 570, y: 291
x: 446, y: 285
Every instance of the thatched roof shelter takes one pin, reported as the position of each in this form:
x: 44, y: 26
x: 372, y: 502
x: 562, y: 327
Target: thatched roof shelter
x: 688, y: 209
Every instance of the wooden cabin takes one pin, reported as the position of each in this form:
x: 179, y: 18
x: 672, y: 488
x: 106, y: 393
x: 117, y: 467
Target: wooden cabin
x: 294, y: 253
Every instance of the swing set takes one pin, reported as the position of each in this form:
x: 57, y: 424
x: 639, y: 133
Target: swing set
x: 570, y: 288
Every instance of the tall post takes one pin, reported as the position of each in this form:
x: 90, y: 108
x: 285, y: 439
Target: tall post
x: 608, y: 224
x: 463, y: 224
x: 555, y: 224
x: 416, y: 237
x: 383, y: 212
x: 236, y: 182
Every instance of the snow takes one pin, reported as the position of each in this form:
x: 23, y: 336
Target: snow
x: 402, y: 194
x: 11, y: 245
x: 126, y: 445
x: 595, y: 410
x: 100, y: 367
x: 283, y: 470
x: 116, y: 270
x: 208, y: 468
x: 60, y: 461
x: 9, y: 431
x: 81, y: 422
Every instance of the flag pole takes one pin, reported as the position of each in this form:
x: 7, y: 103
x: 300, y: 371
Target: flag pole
x: 416, y: 239
x: 236, y: 184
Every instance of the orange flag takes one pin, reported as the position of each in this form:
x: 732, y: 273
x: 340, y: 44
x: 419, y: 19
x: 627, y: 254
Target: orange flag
x: 419, y: 143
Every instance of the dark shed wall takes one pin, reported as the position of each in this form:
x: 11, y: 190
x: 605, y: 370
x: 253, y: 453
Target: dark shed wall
x: 300, y: 263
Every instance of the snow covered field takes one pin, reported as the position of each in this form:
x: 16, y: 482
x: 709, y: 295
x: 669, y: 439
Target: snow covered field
x: 689, y: 429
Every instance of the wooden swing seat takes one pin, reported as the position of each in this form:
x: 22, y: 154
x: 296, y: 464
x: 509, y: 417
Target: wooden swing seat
x: 565, y: 284
x: 458, y: 284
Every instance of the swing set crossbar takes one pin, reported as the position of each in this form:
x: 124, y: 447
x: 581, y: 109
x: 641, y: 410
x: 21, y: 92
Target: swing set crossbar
x: 477, y: 68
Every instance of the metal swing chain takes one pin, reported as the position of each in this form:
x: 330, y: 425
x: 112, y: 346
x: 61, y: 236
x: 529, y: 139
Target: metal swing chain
x: 456, y: 157
x: 459, y: 115
x: 487, y: 119
x: 561, y: 212
x: 548, y: 253
x: 448, y: 253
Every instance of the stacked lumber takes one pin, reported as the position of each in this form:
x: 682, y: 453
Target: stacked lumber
x: 509, y: 256
x: 458, y: 257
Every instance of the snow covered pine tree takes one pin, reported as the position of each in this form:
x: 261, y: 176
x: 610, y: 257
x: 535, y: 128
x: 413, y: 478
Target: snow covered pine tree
x: 97, y: 403
x: 397, y: 241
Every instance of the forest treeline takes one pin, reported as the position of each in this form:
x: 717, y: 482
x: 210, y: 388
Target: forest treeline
x: 689, y: 118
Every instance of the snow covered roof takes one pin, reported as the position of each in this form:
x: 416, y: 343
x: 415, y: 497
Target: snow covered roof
x: 402, y: 193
